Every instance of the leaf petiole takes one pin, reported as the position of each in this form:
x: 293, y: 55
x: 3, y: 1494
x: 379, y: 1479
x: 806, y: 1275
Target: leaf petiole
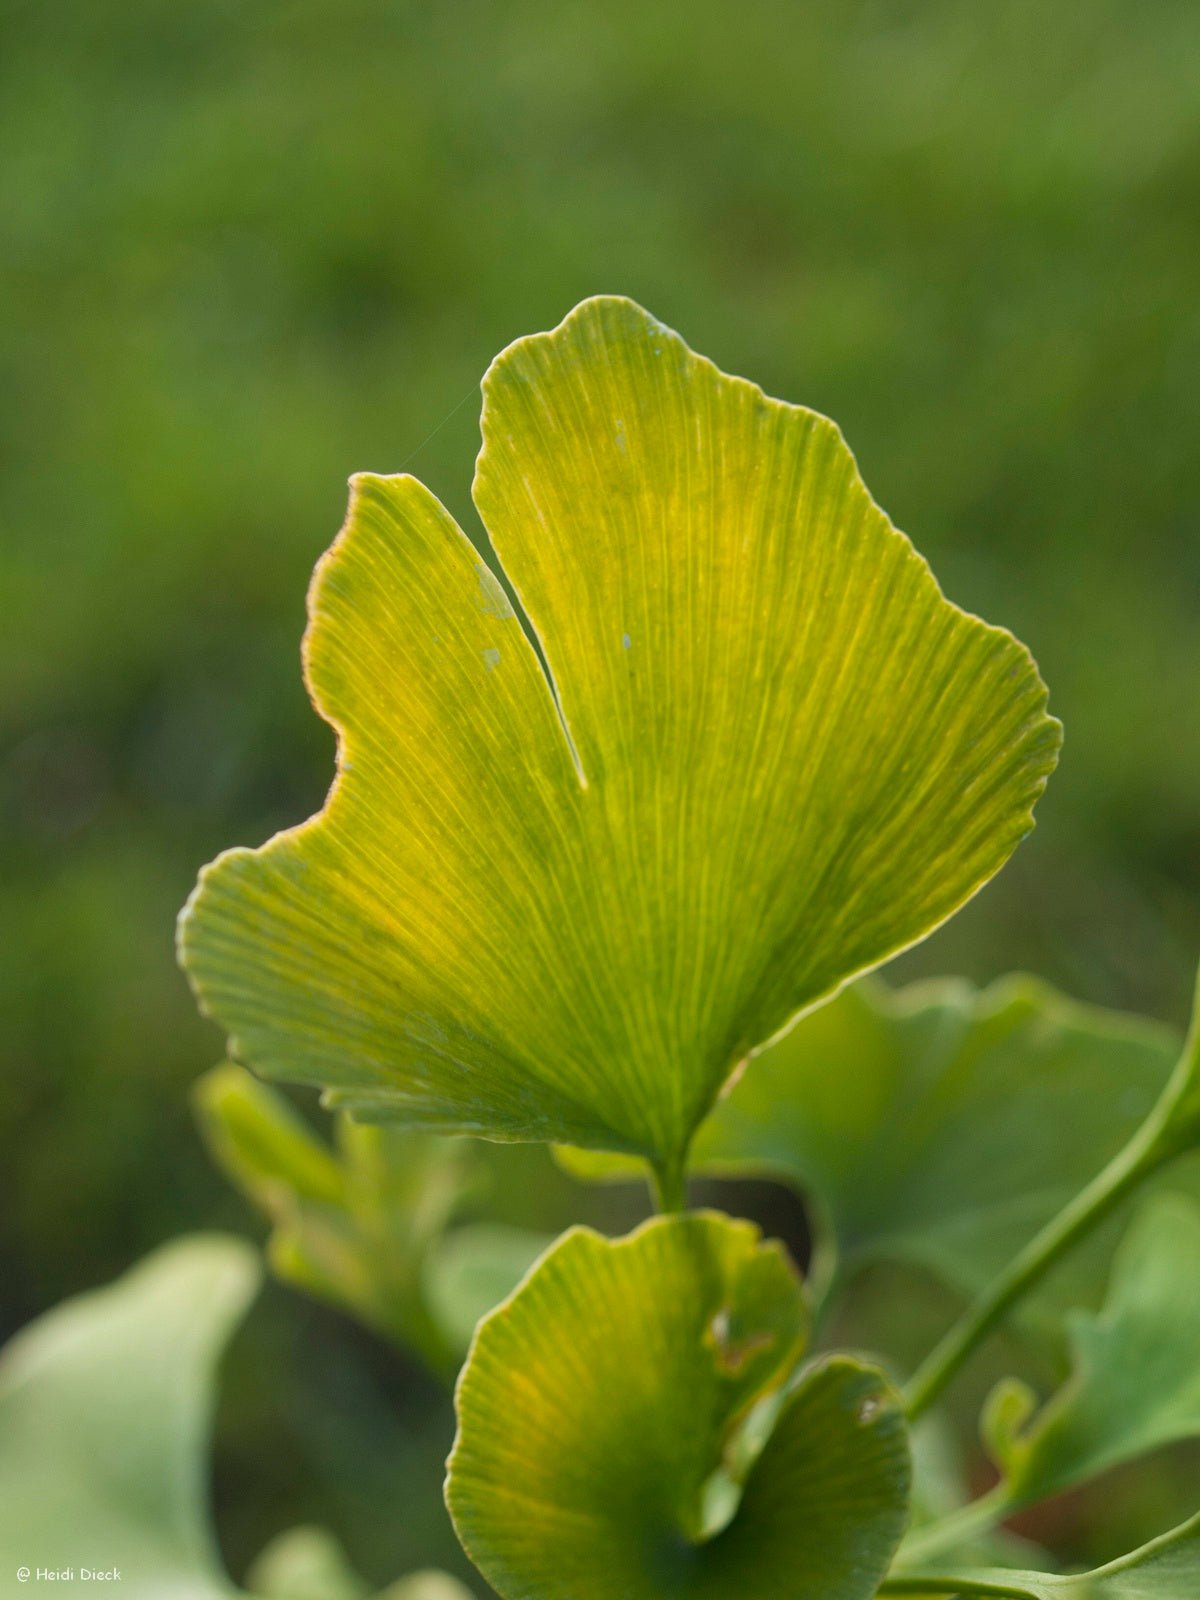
x: 668, y: 1186
x: 942, y: 1583
x: 960, y: 1527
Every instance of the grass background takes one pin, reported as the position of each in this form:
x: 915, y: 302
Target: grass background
x: 247, y: 250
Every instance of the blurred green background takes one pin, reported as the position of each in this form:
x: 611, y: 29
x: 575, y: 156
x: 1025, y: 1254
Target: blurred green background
x: 247, y: 250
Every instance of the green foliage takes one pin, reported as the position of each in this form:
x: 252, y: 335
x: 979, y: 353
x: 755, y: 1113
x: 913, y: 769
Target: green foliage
x: 571, y: 883
x: 104, y: 1416
x: 1168, y: 1568
x: 104, y: 1413
x: 248, y: 247
x: 705, y: 573
x: 938, y: 1125
x: 604, y: 1399
x: 1135, y: 1382
x: 566, y: 892
x: 366, y: 1225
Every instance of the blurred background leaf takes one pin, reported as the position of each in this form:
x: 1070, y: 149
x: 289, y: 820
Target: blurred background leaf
x: 105, y: 1405
x: 364, y: 1224
x: 245, y: 251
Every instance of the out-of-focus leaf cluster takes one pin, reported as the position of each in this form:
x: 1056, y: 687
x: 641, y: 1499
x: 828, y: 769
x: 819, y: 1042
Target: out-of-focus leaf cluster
x: 366, y: 1225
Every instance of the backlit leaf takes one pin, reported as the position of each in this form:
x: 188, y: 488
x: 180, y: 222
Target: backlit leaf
x: 600, y: 1408
x: 772, y: 756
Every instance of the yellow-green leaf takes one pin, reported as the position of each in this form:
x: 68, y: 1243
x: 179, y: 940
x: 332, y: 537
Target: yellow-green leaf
x: 773, y: 755
x: 601, y: 1407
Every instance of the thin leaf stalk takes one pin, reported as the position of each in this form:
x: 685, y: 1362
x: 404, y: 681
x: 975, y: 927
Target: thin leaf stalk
x: 959, y: 1528
x: 942, y: 1583
x: 668, y: 1185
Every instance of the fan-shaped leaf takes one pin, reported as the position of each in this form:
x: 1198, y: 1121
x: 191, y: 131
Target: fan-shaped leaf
x: 773, y: 755
x: 601, y: 1406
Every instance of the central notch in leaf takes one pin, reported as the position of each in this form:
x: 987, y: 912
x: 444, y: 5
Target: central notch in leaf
x: 770, y: 755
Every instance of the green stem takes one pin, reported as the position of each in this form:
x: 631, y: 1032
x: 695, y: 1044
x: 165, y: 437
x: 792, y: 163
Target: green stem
x: 825, y: 1276
x: 668, y: 1185
x: 1154, y: 1143
x: 940, y: 1583
x: 958, y: 1528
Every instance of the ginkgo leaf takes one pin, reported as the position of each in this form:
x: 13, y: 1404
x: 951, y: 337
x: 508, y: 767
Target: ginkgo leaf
x: 104, y: 1415
x: 767, y: 754
x: 472, y: 1269
x: 601, y: 1406
x: 939, y: 1125
x: 1168, y: 1568
x: 1135, y: 1383
x: 105, y: 1407
x: 366, y: 1225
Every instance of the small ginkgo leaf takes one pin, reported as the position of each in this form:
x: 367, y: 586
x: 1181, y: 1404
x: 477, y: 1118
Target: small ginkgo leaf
x: 366, y: 1225
x: 601, y: 1405
x: 768, y: 755
x: 940, y: 1125
x: 1135, y: 1382
x: 1168, y: 1568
